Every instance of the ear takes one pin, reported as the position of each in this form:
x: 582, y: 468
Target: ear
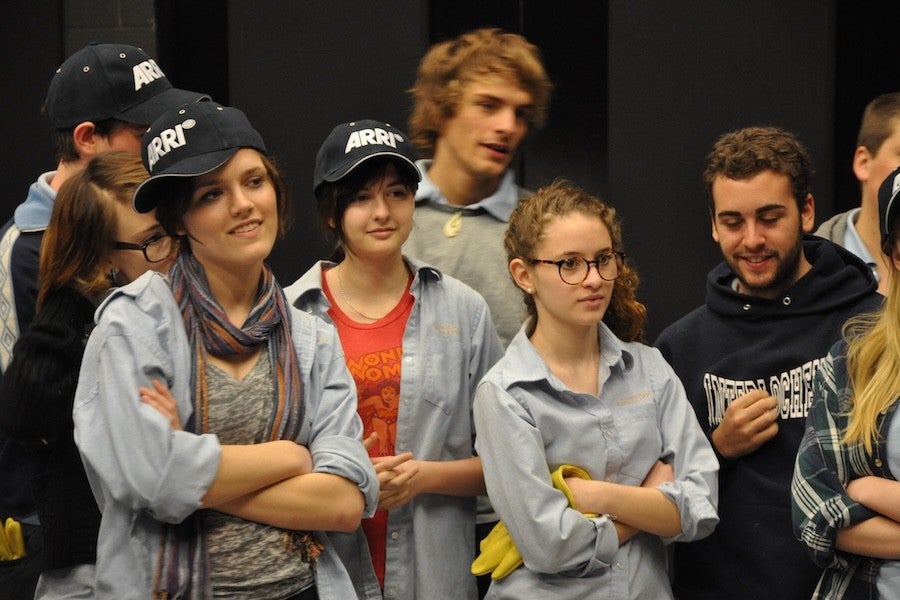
x: 715, y: 232
x: 808, y: 214
x: 862, y: 160
x: 85, y: 137
x: 521, y: 274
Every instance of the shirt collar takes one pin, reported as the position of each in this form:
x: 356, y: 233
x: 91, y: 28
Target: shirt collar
x: 853, y: 242
x: 499, y: 205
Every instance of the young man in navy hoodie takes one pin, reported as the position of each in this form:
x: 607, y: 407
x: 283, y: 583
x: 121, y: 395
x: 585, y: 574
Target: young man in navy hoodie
x: 747, y: 358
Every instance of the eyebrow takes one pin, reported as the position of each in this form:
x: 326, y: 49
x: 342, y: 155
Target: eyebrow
x: 759, y: 211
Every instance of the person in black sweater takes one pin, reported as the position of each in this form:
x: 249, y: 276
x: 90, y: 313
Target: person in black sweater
x: 95, y: 240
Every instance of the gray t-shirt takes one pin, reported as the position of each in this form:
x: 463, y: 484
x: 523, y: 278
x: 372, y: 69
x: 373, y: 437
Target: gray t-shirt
x: 248, y: 560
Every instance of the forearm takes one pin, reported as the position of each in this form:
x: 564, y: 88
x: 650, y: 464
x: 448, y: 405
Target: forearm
x: 878, y: 537
x: 647, y: 509
x: 451, y: 477
x: 244, y: 469
x: 314, y: 501
x: 878, y: 494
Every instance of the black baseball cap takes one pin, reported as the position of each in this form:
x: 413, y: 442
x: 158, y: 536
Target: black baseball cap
x: 106, y: 81
x: 889, y: 203
x: 351, y: 144
x: 191, y: 140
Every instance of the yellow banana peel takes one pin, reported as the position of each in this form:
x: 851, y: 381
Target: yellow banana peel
x: 12, y: 544
x: 499, y: 555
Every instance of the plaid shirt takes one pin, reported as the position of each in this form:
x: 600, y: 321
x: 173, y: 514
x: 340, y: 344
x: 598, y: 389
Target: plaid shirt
x: 824, y: 467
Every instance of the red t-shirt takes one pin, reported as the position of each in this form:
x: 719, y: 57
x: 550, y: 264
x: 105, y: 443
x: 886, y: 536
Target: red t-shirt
x: 373, y: 352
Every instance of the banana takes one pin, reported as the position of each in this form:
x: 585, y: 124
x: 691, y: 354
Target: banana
x: 14, y: 539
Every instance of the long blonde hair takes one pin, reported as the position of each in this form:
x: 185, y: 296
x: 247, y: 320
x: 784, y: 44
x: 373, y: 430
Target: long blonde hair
x: 873, y: 363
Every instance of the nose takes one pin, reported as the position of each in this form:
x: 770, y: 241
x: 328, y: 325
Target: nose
x: 380, y: 209
x: 753, y: 235
x: 593, y: 279
x: 506, y: 119
x: 240, y: 201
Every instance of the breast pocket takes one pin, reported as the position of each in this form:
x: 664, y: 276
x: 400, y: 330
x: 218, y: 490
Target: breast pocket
x: 640, y: 439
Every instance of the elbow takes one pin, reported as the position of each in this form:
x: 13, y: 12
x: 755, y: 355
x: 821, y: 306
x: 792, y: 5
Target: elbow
x: 348, y: 513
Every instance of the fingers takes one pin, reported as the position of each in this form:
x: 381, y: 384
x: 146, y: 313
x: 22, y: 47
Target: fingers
x: 370, y: 441
x: 161, y: 399
x: 387, y: 463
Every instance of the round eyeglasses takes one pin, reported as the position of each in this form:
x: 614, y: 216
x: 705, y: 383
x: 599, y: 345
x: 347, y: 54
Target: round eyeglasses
x: 575, y: 269
x: 156, y: 248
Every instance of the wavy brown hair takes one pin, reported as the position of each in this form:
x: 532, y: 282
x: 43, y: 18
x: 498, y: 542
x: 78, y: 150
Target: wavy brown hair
x: 79, y: 238
x: 450, y: 65
x: 528, y: 222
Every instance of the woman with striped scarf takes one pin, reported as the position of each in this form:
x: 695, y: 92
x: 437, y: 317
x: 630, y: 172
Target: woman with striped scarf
x: 231, y: 493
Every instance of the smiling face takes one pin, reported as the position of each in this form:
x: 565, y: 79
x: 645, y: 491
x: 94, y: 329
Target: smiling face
x: 560, y: 304
x: 232, y: 220
x: 483, y: 136
x: 378, y: 218
x: 759, y: 228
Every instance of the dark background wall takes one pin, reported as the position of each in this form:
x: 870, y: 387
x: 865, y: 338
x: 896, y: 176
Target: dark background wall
x: 643, y: 87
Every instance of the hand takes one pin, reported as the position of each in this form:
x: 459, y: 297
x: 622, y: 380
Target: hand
x: 396, y: 475
x: 161, y: 399
x: 750, y: 421
x: 659, y: 474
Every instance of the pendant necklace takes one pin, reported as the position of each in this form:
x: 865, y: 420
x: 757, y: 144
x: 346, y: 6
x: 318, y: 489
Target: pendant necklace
x: 453, y: 225
x: 347, y: 300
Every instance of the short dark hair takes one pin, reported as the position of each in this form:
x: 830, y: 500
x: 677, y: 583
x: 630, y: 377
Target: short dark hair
x: 744, y: 153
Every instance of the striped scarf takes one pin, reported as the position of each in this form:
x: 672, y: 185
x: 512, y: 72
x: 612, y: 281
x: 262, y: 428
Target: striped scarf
x: 182, y: 561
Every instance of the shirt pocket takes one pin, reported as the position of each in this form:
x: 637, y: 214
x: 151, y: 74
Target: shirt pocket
x: 639, y: 438
x: 444, y: 374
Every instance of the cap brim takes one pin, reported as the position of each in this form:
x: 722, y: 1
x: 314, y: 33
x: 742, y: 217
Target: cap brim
x: 149, y: 193
x: 408, y: 165
x: 147, y: 111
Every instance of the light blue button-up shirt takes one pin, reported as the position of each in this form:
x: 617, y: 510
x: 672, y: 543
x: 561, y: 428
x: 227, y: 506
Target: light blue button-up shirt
x: 144, y: 474
x: 529, y: 423
x: 449, y: 343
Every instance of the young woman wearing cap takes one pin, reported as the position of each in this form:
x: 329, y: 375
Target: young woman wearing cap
x: 845, y: 493
x: 271, y: 444
x: 88, y: 246
x: 576, y: 390
x: 403, y: 326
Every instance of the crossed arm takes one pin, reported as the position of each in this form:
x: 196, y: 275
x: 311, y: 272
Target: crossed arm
x: 878, y: 537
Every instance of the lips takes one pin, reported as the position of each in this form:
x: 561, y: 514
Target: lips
x: 246, y: 227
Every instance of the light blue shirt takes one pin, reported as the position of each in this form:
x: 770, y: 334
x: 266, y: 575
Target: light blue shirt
x: 144, y: 474
x: 449, y: 343
x: 529, y: 423
x: 500, y: 204
x: 853, y: 242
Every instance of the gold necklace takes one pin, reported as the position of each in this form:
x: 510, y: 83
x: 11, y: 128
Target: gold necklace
x: 347, y: 300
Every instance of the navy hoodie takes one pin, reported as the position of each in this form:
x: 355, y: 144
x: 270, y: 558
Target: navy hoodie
x: 735, y: 343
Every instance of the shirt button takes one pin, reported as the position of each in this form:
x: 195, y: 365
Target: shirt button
x: 878, y: 462
x: 407, y: 359
x: 746, y: 307
x: 394, y: 535
x: 619, y: 566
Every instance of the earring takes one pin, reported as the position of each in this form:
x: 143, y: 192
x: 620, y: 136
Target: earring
x: 528, y: 290
x: 113, y: 277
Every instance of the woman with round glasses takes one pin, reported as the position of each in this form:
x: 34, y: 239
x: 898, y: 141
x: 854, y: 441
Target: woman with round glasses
x: 576, y: 389
x: 79, y: 262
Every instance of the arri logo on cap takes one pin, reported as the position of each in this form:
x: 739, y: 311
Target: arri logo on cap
x: 379, y: 136
x: 166, y: 141
x: 146, y: 72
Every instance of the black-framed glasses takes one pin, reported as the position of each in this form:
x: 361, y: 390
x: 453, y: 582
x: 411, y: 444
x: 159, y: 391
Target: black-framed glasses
x: 156, y: 248
x: 575, y: 269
